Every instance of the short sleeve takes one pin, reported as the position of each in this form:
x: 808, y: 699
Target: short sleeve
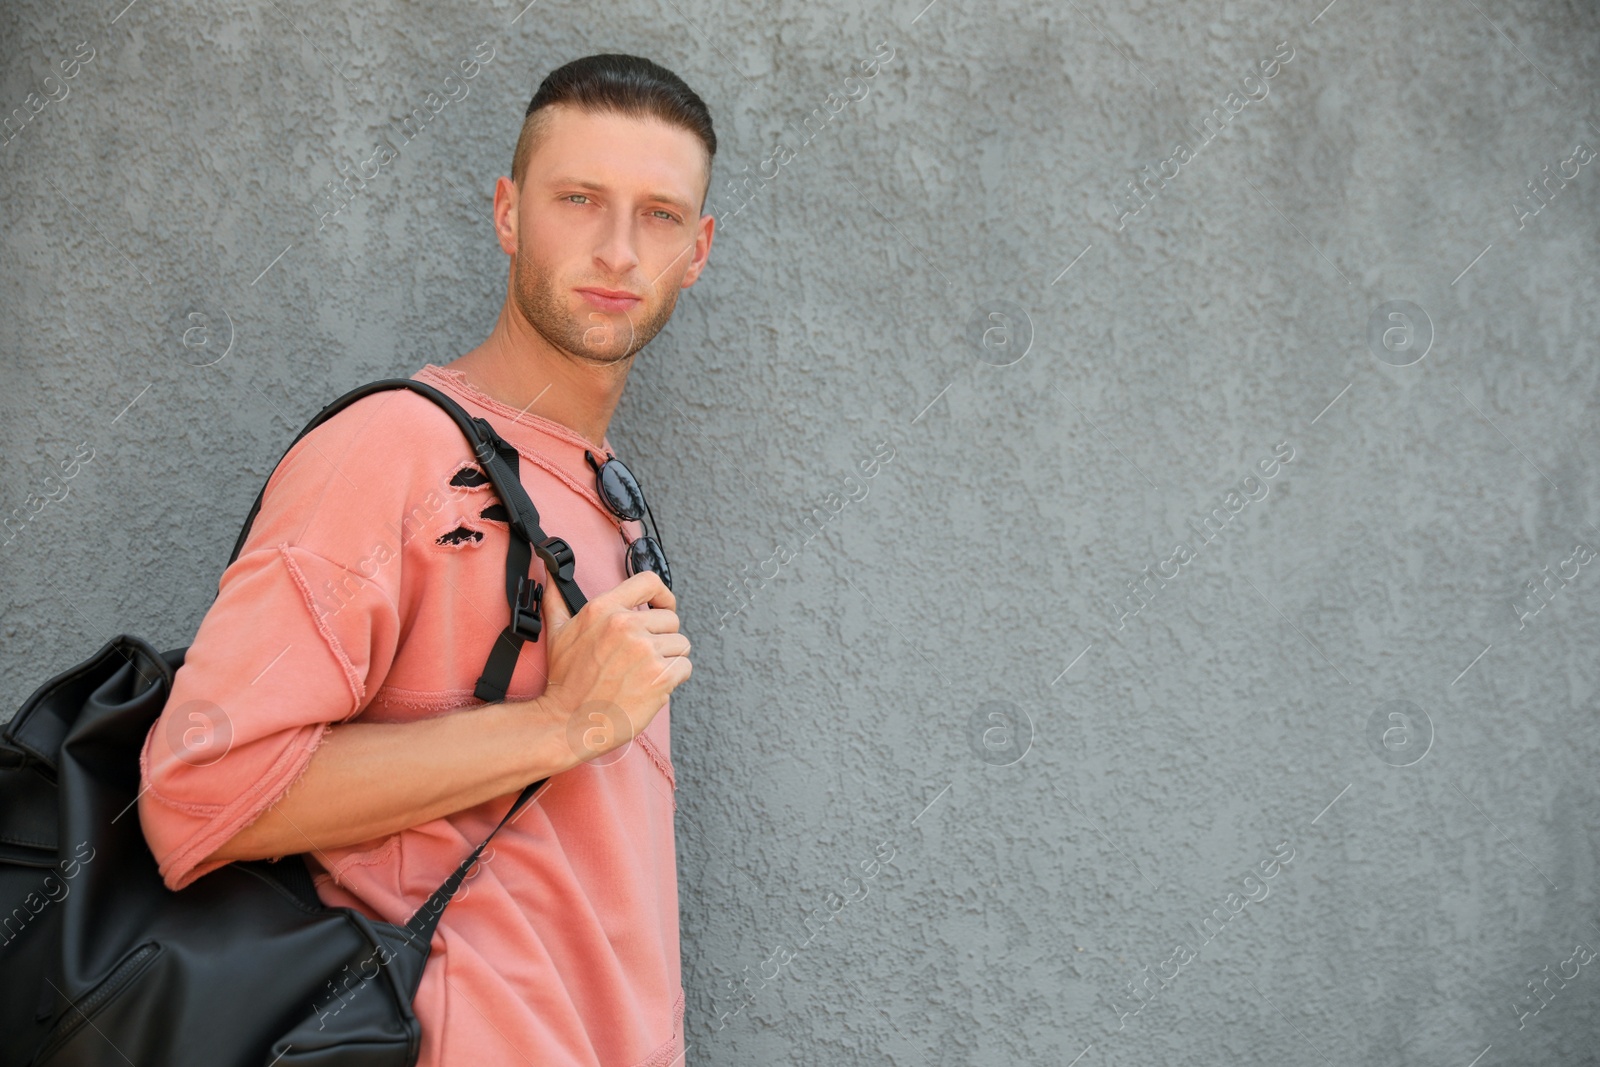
x: 303, y: 630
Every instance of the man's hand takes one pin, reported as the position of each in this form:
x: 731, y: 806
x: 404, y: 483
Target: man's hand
x: 610, y: 670
x: 612, y: 666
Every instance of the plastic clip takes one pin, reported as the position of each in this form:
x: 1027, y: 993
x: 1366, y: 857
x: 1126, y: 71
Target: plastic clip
x: 525, y: 621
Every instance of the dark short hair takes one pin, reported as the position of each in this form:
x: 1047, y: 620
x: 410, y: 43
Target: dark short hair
x: 628, y: 85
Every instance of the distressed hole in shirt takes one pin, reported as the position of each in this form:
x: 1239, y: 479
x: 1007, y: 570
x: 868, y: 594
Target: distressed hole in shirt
x: 469, y: 477
x: 461, y: 535
x: 495, y: 513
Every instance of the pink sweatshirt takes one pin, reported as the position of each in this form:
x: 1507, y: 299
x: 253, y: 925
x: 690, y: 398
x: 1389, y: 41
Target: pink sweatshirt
x: 370, y: 589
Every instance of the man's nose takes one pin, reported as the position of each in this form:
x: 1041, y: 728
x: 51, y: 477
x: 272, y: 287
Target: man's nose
x: 616, y: 251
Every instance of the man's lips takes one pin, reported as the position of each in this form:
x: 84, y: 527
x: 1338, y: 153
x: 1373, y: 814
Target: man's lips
x: 610, y: 299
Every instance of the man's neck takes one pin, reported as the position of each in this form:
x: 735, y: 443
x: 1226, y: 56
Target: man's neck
x: 522, y: 369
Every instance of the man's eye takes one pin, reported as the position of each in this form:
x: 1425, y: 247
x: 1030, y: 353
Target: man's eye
x: 669, y: 216
x: 578, y: 196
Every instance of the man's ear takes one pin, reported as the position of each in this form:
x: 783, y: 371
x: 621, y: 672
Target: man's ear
x: 505, y: 214
x: 706, y: 228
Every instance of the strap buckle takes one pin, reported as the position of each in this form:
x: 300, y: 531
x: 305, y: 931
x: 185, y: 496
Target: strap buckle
x: 525, y: 621
x: 565, y: 562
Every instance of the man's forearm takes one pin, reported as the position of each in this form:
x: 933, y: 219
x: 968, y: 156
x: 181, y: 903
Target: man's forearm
x: 369, y: 780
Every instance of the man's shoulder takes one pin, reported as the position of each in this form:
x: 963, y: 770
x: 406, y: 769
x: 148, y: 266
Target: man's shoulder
x: 368, y: 463
x: 397, y: 417
x: 390, y: 432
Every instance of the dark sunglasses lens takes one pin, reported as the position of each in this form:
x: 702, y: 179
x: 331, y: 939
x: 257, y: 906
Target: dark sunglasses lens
x: 646, y: 555
x: 621, y: 490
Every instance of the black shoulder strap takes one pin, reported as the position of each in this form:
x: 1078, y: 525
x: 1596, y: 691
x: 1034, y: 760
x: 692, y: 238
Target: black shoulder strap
x: 426, y: 918
x: 501, y: 464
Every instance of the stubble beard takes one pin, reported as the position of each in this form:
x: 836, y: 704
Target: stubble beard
x: 598, y: 336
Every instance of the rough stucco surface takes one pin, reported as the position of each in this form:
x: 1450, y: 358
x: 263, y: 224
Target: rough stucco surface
x: 839, y: 717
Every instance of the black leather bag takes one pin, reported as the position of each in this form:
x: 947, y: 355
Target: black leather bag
x: 101, y: 964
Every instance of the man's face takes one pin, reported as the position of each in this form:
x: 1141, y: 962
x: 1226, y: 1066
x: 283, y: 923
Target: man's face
x: 611, y: 203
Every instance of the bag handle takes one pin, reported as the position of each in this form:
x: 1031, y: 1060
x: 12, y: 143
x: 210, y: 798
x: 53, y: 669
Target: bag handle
x: 500, y: 463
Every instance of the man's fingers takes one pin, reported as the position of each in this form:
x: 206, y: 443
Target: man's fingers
x: 659, y: 620
x: 670, y: 644
x: 646, y: 587
x: 676, y: 671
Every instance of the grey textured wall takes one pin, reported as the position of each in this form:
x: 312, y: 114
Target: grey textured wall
x: 937, y: 701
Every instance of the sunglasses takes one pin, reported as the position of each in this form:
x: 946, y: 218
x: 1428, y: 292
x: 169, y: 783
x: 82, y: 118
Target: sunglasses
x: 620, y: 492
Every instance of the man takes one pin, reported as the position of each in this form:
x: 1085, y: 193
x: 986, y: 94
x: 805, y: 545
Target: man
x: 326, y: 704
